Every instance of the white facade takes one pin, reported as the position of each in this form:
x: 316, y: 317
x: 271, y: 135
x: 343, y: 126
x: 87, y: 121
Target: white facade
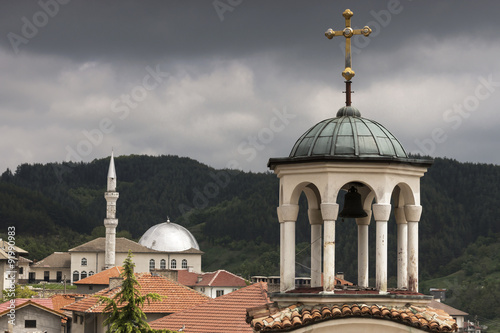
x: 94, y: 261
x: 31, y: 319
x: 216, y: 291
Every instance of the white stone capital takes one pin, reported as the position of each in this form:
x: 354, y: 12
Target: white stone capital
x: 315, y: 216
x: 329, y: 211
x: 413, y: 213
x: 280, y: 216
x: 289, y: 212
x: 381, y: 212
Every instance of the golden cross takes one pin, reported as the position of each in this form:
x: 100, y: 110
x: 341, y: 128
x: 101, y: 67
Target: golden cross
x: 348, y: 32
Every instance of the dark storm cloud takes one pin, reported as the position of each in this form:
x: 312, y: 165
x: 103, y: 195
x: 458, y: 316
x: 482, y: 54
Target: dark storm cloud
x: 228, y: 69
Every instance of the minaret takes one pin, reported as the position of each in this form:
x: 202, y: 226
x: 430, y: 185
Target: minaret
x: 110, y: 222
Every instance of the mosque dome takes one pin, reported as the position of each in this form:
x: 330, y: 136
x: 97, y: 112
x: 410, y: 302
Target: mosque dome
x: 348, y: 136
x: 168, y: 237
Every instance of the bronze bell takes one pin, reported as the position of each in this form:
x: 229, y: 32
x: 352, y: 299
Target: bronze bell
x: 352, y: 205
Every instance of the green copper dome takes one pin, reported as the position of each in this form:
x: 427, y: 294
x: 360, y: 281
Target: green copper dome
x: 348, y: 135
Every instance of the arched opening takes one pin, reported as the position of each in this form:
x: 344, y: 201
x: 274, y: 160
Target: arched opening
x: 76, y: 276
x: 152, y: 265
x: 173, y: 264
x: 353, y: 236
x: 163, y: 264
x: 83, y: 275
x: 184, y: 264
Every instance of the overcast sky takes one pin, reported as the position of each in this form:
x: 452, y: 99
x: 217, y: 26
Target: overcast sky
x: 235, y: 82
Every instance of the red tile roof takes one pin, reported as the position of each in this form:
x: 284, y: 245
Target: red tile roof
x: 41, y: 303
x: 176, y: 296
x: 101, y: 277
x: 220, y: 278
x: 46, y: 302
x: 271, y: 318
x: 222, y: 314
x: 448, y: 309
x: 61, y: 300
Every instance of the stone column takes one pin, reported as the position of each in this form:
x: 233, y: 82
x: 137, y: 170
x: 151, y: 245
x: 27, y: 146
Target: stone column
x: 316, y: 221
x: 289, y: 214
x: 381, y: 213
x: 329, y: 212
x: 402, y: 248
x: 363, y: 273
x: 412, y: 214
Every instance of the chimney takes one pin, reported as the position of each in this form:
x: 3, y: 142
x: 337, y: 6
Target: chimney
x: 167, y: 273
x: 115, y: 282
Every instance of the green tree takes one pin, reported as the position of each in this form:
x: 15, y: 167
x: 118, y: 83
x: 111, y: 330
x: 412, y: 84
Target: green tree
x: 125, y: 308
x: 19, y: 292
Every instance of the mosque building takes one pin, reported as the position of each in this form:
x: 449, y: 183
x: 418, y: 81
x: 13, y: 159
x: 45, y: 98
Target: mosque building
x: 163, y: 246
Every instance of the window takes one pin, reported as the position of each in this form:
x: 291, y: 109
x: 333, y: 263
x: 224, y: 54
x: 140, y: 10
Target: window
x: 184, y: 263
x: 46, y: 275
x: 173, y: 264
x: 76, y: 276
x: 219, y: 293
x: 152, y: 265
x: 163, y: 264
x: 91, y: 287
x: 30, y: 323
x: 234, y: 289
x: 202, y: 289
x: 91, y: 273
x: 21, y: 270
x: 83, y: 275
x: 84, y: 262
x: 58, y: 276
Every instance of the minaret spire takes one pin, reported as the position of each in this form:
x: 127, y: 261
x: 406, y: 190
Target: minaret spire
x: 110, y: 222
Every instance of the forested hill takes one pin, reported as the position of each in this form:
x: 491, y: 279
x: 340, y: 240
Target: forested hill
x: 231, y: 213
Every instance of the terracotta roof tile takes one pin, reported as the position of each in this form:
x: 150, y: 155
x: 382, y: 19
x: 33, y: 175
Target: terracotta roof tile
x: 46, y: 302
x: 61, y: 300
x: 222, y: 314
x: 24, y: 260
x: 56, y: 259
x: 122, y: 245
x: 271, y: 318
x: 177, y: 296
x: 448, y: 309
x: 220, y: 278
x: 101, y: 277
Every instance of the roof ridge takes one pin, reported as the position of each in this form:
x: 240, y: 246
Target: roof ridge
x: 32, y: 302
x: 213, y: 279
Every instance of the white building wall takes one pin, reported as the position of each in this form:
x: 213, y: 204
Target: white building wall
x: 212, y: 291
x: 40, y: 273
x: 45, y: 321
x: 95, y: 261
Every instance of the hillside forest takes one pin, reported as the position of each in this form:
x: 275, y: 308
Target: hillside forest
x: 232, y: 214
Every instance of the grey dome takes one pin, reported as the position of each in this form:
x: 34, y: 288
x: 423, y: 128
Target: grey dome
x: 168, y: 237
x: 348, y: 135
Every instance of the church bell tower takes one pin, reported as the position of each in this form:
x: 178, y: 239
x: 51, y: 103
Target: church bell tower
x: 110, y: 222
x: 353, y: 154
